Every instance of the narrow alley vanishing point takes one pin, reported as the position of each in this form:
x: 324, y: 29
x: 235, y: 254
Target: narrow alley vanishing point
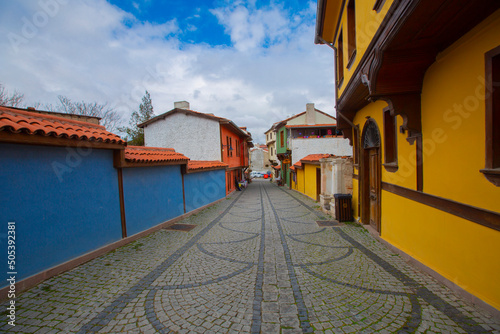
x: 258, y: 262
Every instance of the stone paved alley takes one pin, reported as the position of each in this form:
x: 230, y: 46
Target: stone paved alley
x: 255, y: 263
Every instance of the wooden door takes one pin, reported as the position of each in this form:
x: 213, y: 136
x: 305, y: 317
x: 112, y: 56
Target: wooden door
x: 318, y: 183
x: 374, y: 188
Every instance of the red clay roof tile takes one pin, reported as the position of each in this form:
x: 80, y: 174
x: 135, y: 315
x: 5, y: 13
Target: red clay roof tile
x: 296, y: 165
x: 146, y: 154
x: 22, y: 121
x: 205, y: 164
x: 311, y: 125
x: 314, y: 157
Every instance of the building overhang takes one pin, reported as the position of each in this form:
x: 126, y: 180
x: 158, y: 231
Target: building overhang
x: 284, y: 156
x: 328, y: 17
x: 234, y: 128
x: 407, y: 42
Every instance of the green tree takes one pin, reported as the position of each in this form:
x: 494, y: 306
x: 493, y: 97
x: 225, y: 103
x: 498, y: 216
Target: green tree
x: 135, y: 135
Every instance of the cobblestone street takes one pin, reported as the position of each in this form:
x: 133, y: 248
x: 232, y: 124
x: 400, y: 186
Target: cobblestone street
x: 257, y: 262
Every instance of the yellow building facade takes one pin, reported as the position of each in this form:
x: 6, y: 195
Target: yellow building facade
x: 298, y: 178
x: 306, y: 175
x: 418, y: 97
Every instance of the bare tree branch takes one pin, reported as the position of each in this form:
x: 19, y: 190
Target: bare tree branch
x: 110, y: 118
x: 12, y: 100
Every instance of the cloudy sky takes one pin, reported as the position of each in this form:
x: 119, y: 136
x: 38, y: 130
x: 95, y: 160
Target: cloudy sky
x: 252, y: 61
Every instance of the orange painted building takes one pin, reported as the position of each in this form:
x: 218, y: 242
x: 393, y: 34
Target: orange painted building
x: 202, y: 136
x: 234, y: 152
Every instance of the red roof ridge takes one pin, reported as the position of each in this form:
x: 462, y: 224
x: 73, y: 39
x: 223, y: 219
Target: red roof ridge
x: 146, y: 154
x: 315, y: 157
x: 310, y: 125
x: 63, y: 120
x: 221, y: 120
x: 150, y: 148
x: 300, y: 114
x: 205, y: 164
x: 292, y: 117
x: 16, y: 120
x: 176, y: 110
x: 202, y: 113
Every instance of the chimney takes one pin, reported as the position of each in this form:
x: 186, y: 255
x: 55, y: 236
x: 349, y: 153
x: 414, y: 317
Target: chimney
x: 244, y: 128
x: 181, y: 105
x: 310, y: 113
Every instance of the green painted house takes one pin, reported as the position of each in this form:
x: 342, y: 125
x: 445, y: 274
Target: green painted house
x: 282, y: 151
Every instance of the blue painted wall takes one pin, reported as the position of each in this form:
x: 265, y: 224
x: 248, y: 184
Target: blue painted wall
x: 64, y: 202
x: 152, y: 196
x: 203, y: 188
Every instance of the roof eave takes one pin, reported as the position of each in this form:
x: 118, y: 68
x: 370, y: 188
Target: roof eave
x: 176, y: 110
x: 198, y: 170
x: 34, y: 139
x: 130, y: 164
x: 320, y: 17
x: 235, y: 127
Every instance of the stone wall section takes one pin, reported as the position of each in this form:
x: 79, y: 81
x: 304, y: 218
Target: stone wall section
x: 336, y: 178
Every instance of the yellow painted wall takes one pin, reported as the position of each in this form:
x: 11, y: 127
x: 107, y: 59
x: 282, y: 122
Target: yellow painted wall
x: 453, y: 120
x: 406, y: 175
x: 453, y: 133
x: 453, y: 130
x: 355, y: 199
x: 294, y: 184
x: 374, y: 110
x: 367, y: 23
x: 310, y: 180
x: 299, y: 186
x: 465, y: 253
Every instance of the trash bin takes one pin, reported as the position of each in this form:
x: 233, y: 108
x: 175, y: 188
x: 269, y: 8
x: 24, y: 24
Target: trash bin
x: 343, y: 207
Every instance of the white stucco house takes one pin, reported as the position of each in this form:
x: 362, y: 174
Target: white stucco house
x: 195, y: 134
x: 259, y: 159
x: 271, y: 144
x: 315, y: 132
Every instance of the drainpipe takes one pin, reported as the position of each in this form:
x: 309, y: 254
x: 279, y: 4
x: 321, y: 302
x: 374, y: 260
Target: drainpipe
x: 327, y: 43
x: 346, y: 119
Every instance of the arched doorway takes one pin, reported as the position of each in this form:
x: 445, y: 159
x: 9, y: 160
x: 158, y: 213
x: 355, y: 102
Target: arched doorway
x: 371, y: 174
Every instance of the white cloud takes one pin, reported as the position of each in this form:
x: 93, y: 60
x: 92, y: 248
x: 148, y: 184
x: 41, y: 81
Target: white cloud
x: 252, y: 28
x: 93, y: 51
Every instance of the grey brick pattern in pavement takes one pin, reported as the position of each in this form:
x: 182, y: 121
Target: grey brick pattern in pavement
x: 255, y: 263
